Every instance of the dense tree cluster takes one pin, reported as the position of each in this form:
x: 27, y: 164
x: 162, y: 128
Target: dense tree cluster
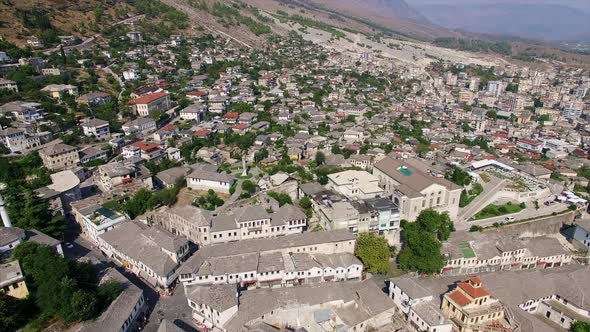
x: 422, y: 242
x: 145, y: 200
x: 373, y: 251
x: 282, y: 198
x: 458, y: 176
x: 579, y: 326
x: 209, y: 202
x: 59, y: 288
x: 22, y: 176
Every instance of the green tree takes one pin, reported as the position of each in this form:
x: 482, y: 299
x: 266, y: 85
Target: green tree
x: 458, y: 176
x: 282, y: 198
x: 84, y: 305
x: 305, y: 202
x: 15, y: 313
x: 320, y: 158
x: 373, y: 251
x: 108, y: 291
x: 249, y: 187
x: 28, y: 211
x: 421, y: 251
x: 579, y: 326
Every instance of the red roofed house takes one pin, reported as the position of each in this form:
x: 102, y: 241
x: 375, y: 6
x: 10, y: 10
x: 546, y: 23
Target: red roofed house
x: 199, y: 96
x: 149, y: 151
x: 165, y: 132
x: 231, y: 117
x: 529, y: 144
x: 150, y: 103
x: 471, y: 307
x: 202, y: 133
x: 241, y: 128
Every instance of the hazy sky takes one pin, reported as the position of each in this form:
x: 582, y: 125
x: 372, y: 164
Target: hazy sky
x: 578, y: 4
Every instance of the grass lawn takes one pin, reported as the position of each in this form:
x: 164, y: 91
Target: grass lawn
x: 394, y: 271
x: 468, y: 196
x: 484, y: 177
x: 493, y: 210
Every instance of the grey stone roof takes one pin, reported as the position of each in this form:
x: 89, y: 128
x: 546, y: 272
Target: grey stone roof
x: 116, y: 169
x: 370, y: 299
x: 263, y: 245
x: 170, y: 175
x: 168, y: 326
x: 487, y: 245
x: 94, y: 123
x: 413, y: 183
x: 193, y: 214
x: 9, y: 273
x: 113, y: 318
x: 144, y: 245
x: 270, y: 262
x: 211, y: 176
x: 10, y: 234
x: 513, y: 288
x: 41, y: 238
x: 288, y: 212
x: 229, y: 264
x: 303, y: 261
x: 411, y: 287
x: 218, y: 297
x: 58, y: 148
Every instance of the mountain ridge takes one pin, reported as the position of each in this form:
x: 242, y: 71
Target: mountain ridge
x: 512, y: 19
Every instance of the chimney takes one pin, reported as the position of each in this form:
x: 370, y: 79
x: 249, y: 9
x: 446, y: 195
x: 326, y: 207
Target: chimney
x: 4, y: 213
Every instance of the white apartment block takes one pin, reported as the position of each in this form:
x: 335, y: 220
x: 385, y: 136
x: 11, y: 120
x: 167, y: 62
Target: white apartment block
x: 139, y: 125
x: 205, y: 180
x: 95, y: 220
x: 275, y: 269
x: 150, y: 103
x: 323, y: 307
x: 417, y: 306
x: 58, y: 91
x: 414, y: 188
x: 8, y: 85
x: 131, y: 151
x: 489, y: 253
x: 149, y: 252
x: 96, y: 127
x: 59, y: 156
x: 250, y: 222
x: 17, y: 140
x: 355, y: 184
x: 316, y: 243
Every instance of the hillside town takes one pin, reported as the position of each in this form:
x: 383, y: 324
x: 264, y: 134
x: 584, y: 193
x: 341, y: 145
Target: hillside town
x: 190, y: 183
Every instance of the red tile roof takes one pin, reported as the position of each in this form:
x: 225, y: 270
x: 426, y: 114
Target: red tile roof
x: 146, y: 146
x: 169, y: 127
x: 529, y: 141
x: 475, y: 279
x: 198, y: 93
x: 500, y: 134
x: 202, y: 132
x: 474, y: 292
x: 148, y: 98
x: 459, y: 298
x: 231, y: 115
x: 240, y: 126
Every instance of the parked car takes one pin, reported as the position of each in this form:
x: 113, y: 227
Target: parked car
x: 510, y: 219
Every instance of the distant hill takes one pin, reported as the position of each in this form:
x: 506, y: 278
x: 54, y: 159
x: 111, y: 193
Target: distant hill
x: 547, y: 22
x: 396, y: 15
